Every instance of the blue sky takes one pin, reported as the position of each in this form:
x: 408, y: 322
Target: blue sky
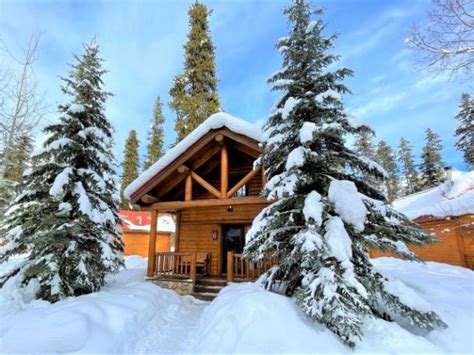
x: 142, y: 44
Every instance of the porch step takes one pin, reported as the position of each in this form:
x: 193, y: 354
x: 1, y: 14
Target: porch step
x: 212, y: 282
x: 207, y: 288
x: 204, y: 296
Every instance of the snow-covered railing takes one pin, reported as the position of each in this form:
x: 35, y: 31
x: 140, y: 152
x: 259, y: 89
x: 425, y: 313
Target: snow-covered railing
x: 239, y: 268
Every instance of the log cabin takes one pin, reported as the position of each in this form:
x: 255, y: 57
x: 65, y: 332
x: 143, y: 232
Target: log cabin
x: 209, y: 182
x: 447, y: 211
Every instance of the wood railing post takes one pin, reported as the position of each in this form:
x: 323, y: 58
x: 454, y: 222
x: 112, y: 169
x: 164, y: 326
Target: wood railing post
x: 230, y: 266
x: 193, y: 268
x: 152, y: 244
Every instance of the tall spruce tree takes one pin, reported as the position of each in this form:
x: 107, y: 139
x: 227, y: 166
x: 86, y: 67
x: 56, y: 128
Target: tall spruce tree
x: 155, y: 136
x: 408, y: 167
x: 432, y: 165
x: 325, y: 218
x: 66, y: 216
x: 363, y: 144
x: 465, y: 131
x: 130, y: 166
x: 194, y: 93
x: 385, y: 156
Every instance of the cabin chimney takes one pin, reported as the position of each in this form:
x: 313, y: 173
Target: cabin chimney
x: 448, y: 170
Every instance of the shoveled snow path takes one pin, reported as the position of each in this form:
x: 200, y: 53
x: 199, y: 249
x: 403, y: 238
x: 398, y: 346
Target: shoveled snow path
x: 171, y: 329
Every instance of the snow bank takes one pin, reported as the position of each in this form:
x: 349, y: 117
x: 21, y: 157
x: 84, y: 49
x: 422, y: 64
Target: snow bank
x: 130, y: 315
x: 216, y: 121
x: 442, y: 201
x: 245, y: 318
x: 112, y: 320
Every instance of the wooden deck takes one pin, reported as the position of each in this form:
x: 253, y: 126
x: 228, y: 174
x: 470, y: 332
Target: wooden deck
x: 191, y: 266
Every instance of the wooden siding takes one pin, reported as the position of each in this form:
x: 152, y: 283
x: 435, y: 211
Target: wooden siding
x: 456, y: 246
x: 136, y: 243
x: 197, y: 225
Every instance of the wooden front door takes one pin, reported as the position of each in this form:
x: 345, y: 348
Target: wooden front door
x: 233, y: 239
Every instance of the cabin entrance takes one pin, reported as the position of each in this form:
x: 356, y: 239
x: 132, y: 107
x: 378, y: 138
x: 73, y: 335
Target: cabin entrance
x: 233, y: 239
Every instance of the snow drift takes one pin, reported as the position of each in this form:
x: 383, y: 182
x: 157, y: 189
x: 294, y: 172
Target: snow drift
x: 132, y: 316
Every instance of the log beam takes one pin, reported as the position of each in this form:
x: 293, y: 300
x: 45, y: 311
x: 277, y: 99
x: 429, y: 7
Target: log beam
x: 188, y: 193
x: 179, y: 205
x: 205, y: 184
x: 224, y: 171
x: 183, y: 169
x: 243, y: 181
x: 149, y: 199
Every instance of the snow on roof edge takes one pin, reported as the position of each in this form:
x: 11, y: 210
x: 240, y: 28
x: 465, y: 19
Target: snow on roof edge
x: 215, y: 121
x: 442, y: 201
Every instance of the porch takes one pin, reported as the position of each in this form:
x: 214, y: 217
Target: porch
x: 190, y: 266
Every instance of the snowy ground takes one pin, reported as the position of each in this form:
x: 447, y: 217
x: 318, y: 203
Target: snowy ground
x: 131, y: 316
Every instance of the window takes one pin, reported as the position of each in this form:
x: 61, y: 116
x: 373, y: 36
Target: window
x: 242, y: 192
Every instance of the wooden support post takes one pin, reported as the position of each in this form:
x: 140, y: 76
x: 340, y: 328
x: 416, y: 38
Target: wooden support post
x: 193, y: 268
x: 152, y: 244
x: 224, y: 171
x: 264, y: 177
x: 230, y: 266
x: 188, y: 194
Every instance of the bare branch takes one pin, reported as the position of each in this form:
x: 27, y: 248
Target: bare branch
x: 446, y: 43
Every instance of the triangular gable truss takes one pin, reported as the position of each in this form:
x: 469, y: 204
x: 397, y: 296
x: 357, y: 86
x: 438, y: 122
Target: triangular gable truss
x: 201, y: 155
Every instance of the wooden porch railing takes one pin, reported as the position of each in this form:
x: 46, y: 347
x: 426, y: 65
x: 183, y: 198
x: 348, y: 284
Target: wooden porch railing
x: 241, y: 269
x: 176, y: 265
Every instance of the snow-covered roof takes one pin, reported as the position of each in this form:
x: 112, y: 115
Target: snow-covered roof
x: 441, y: 201
x: 140, y: 221
x: 216, y: 121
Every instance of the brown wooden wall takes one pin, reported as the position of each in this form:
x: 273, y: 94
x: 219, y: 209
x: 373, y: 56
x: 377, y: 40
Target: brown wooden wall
x: 457, y: 241
x: 136, y: 243
x: 196, y: 227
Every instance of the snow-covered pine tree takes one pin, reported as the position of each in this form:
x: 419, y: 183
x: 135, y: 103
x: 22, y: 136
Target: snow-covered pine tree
x: 432, y: 165
x: 323, y: 217
x: 465, y: 131
x: 385, y: 156
x: 130, y: 167
x: 67, y: 216
x: 408, y: 167
x: 155, y: 136
x: 194, y: 93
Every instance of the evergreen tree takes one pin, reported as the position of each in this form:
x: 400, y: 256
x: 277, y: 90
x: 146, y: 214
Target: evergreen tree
x: 130, y: 166
x: 465, y: 131
x: 408, y: 167
x: 432, y: 165
x: 194, y: 93
x: 15, y: 164
x: 325, y: 218
x: 66, y: 216
x: 155, y: 136
x: 385, y: 156
x: 363, y: 144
